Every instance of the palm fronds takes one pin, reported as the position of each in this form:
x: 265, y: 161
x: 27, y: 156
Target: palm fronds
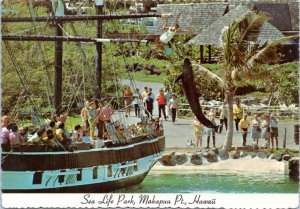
x: 209, y: 73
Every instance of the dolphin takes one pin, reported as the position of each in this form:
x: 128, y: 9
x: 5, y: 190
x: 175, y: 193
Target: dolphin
x: 187, y: 78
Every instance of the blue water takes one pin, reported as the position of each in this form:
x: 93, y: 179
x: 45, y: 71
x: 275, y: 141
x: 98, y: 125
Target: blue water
x: 215, y: 183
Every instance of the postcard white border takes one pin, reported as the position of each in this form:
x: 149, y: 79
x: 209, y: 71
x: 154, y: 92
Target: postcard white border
x: 150, y: 200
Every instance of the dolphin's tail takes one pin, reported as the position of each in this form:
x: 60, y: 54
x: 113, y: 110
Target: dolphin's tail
x: 205, y: 121
x: 217, y: 128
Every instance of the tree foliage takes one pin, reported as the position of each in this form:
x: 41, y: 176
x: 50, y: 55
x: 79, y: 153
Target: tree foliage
x: 242, y: 59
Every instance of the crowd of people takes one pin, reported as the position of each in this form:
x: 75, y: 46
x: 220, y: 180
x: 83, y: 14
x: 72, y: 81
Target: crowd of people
x: 53, y: 134
x: 97, y: 123
x: 167, y: 102
x: 266, y: 129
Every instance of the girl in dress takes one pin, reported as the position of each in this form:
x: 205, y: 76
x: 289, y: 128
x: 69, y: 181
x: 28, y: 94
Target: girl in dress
x: 255, y: 129
x: 197, y: 131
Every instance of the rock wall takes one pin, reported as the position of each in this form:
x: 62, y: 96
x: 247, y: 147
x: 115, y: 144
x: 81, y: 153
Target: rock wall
x: 235, y: 161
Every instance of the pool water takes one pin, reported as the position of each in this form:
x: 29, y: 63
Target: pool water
x: 210, y: 182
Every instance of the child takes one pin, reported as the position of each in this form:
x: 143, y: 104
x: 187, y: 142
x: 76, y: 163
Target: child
x: 78, y: 134
x: 149, y: 129
x: 161, y: 127
x: 266, y: 132
x: 197, y: 131
x: 211, y: 131
x: 86, y: 137
x: 140, y: 129
x: 132, y: 130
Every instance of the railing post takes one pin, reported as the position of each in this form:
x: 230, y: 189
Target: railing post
x: 284, y: 139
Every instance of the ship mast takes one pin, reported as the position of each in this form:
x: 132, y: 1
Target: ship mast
x: 58, y: 9
x: 99, y: 6
x: 59, y: 18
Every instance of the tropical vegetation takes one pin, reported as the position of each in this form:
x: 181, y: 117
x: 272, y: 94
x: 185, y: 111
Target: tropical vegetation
x: 242, y: 60
x: 28, y: 67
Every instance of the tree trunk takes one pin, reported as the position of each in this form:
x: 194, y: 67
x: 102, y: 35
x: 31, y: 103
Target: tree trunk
x: 229, y: 134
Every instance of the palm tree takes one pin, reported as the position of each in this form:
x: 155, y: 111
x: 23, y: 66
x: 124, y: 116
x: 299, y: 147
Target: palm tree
x: 241, y: 59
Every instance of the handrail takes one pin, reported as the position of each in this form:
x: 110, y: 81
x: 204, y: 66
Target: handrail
x: 250, y: 109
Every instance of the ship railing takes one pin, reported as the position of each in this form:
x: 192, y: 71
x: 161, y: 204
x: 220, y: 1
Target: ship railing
x: 60, y: 173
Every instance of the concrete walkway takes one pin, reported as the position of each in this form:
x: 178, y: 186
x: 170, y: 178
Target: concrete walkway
x: 177, y: 135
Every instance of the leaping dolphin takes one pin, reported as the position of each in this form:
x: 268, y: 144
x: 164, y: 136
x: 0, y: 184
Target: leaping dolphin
x: 187, y: 78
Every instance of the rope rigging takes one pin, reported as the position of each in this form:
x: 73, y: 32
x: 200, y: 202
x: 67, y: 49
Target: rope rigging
x: 46, y: 78
x: 20, y: 74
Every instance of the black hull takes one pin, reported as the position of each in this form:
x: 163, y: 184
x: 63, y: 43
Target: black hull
x: 90, y: 188
x: 69, y: 160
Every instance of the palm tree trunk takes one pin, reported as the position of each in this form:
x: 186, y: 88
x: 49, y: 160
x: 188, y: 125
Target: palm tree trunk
x: 229, y: 134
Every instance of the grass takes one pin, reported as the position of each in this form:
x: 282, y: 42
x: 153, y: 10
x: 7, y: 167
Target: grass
x: 255, y: 94
x: 141, y: 76
x: 291, y: 152
x: 70, y: 123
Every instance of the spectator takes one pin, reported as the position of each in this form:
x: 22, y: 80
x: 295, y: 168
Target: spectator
x: 100, y: 123
x: 168, y: 96
x: 132, y: 130
x: 211, y: 132
x: 149, y: 129
x: 128, y: 100
x: 161, y: 100
x: 266, y: 131
x: 52, y: 126
x: 223, y: 110
x: 6, y: 119
x: 173, y: 107
x: 244, y: 125
x: 5, y: 133
x: 145, y: 94
x: 237, y: 114
x: 255, y: 130
x: 140, y: 129
x: 60, y: 135
x: 14, y: 136
x: 274, y: 130
x: 36, y: 138
x: 211, y: 113
x: 63, y: 116
x: 198, y: 132
x: 92, y: 119
x: 77, y: 134
x: 149, y: 106
x: 104, y: 117
x: 137, y: 102
x: 151, y: 94
x: 84, y: 116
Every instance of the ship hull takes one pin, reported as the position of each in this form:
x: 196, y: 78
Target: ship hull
x: 81, y: 171
x: 88, y: 188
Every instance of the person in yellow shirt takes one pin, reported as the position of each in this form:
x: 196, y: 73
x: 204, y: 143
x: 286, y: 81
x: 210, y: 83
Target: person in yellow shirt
x: 145, y: 94
x: 244, y: 125
x: 237, y: 113
x: 197, y: 131
x: 85, y: 116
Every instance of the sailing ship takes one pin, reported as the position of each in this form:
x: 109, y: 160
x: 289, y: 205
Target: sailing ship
x: 82, y: 168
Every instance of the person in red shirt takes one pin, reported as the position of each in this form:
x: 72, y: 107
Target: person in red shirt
x: 104, y: 116
x: 161, y: 100
x: 128, y: 100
